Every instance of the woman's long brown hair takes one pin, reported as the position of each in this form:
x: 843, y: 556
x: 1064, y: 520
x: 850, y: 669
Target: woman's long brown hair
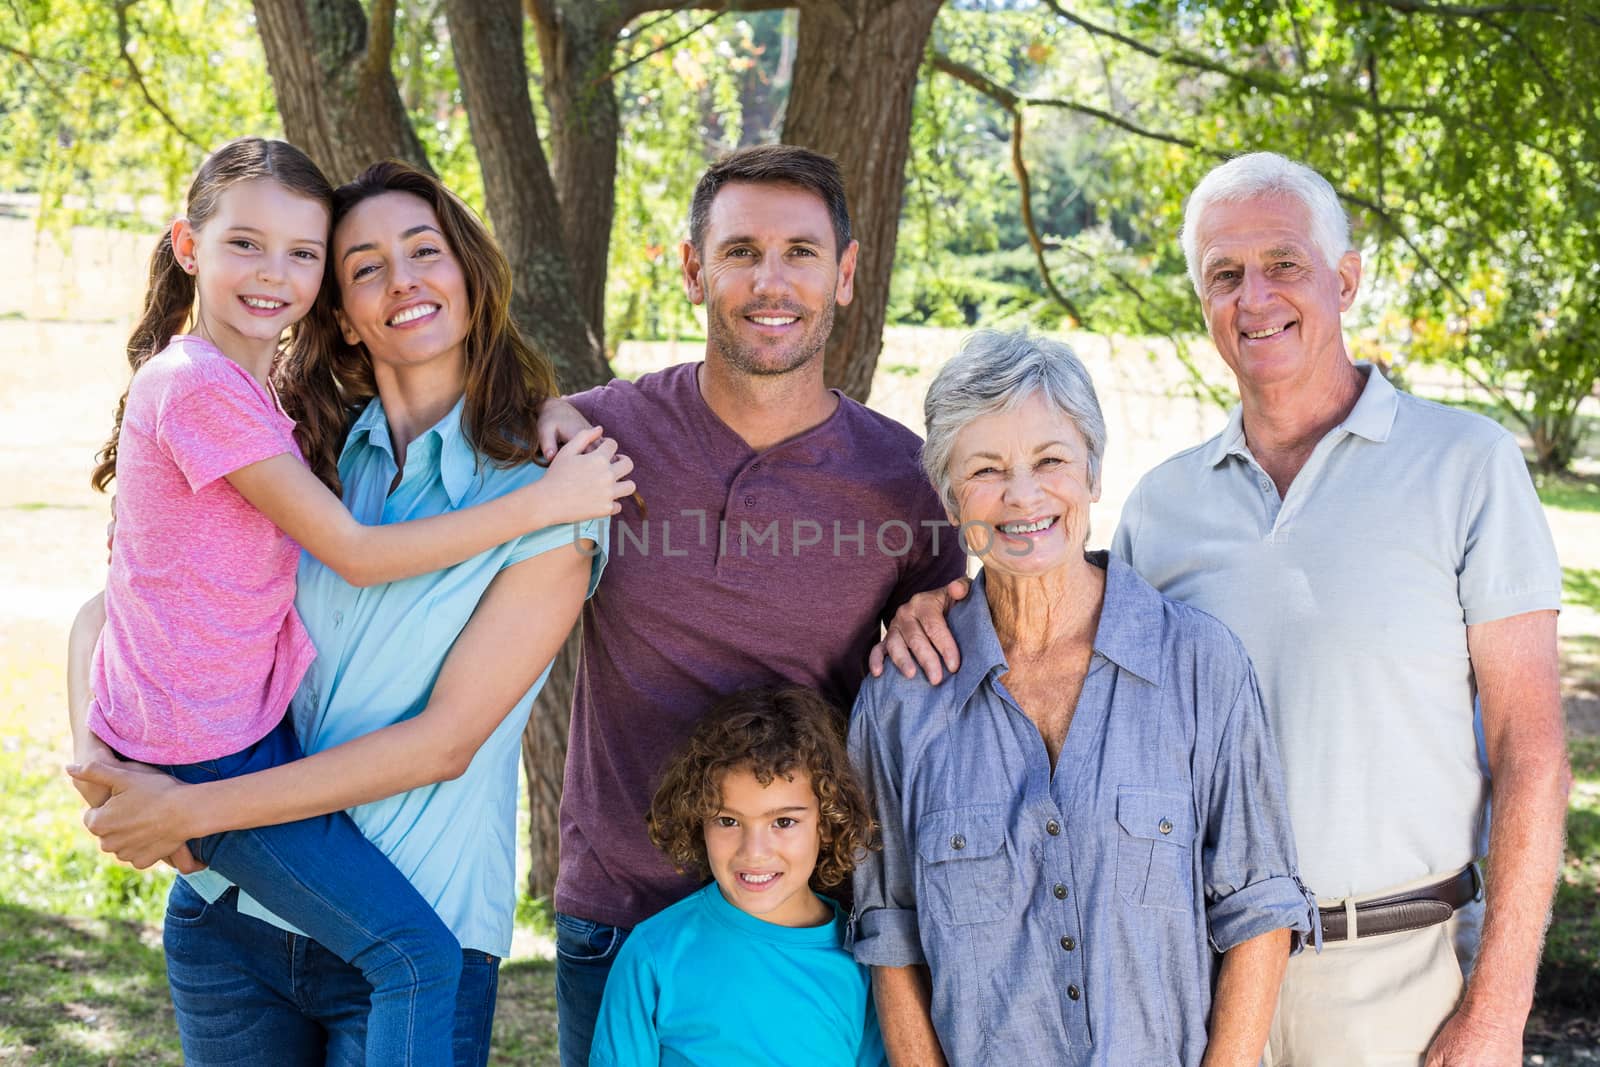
x: 325, y: 381
x: 169, y: 300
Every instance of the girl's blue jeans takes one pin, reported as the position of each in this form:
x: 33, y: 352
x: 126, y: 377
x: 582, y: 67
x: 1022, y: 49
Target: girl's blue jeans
x: 248, y: 993
x: 324, y: 876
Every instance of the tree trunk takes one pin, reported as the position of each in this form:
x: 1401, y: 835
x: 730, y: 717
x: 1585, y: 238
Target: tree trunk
x: 855, y: 72
x: 331, y: 76
x: 577, y: 43
x: 487, y: 37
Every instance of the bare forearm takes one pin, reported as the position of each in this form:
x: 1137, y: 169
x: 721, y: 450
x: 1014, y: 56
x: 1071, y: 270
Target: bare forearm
x: 904, y: 996
x: 406, y: 755
x: 1517, y: 667
x: 1247, y: 993
x: 85, y: 632
x: 371, y: 555
x: 1525, y: 846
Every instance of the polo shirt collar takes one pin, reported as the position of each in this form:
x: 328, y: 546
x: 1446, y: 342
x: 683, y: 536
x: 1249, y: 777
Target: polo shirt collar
x: 1373, y: 415
x: 1371, y: 418
x: 1132, y: 618
x: 458, y: 462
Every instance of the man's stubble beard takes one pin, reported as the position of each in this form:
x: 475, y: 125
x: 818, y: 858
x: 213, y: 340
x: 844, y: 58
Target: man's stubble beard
x: 747, y: 359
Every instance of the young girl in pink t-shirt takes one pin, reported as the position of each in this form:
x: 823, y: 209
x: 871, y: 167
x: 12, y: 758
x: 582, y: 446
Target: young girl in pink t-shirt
x: 202, y: 648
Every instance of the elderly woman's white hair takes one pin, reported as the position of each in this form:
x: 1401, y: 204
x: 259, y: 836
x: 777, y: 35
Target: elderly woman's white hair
x: 996, y: 370
x: 1267, y: 174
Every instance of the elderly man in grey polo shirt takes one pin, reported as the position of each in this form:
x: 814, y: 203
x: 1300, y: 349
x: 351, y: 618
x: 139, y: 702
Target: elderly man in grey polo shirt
x: 1386, y: 563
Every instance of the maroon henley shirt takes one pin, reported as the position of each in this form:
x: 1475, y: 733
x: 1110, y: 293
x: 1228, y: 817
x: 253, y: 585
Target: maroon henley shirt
x: 752, y: 569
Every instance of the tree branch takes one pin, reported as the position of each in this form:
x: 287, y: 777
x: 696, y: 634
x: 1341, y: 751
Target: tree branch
x: 1014, y: 103
x: 31, y: 61
x: 123, y: 38
x: 1477, y: 11
x: 1263, y: 82
x: 1025, y: 192
x: 380, y: 37
x: 635, y: 61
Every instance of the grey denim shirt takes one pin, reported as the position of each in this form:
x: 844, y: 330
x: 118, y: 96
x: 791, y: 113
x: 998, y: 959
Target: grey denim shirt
x: 1076, y: 916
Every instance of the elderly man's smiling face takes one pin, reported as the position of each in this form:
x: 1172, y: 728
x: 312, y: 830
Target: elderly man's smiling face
x: 1271, y: 301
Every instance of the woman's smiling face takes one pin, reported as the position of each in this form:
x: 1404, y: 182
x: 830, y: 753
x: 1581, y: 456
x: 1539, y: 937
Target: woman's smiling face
x: 1022, y: 487
x: 402, y: 292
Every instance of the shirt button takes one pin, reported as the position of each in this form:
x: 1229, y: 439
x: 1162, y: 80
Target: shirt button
x: 1068, y: 944
x: 1073, y: 992
x: 755, y: 466
x: 1165, y: 826
x: 1060, y: 891
x: 1052, y: 828
x: 958, y: 842
x: 749, y: 501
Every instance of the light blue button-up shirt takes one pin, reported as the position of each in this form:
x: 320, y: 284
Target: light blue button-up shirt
x: 379, y: 651
x: 1073, y: 917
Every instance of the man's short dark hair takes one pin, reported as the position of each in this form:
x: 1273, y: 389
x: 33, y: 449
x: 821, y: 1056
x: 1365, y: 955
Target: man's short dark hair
x: 773, y: 164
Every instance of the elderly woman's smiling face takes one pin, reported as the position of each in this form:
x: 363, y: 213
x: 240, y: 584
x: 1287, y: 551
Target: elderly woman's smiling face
x: 1022, y: 487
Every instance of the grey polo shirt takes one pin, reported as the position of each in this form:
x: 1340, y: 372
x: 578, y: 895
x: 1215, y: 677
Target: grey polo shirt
x: 1069, y: 915
x: 1410, y: 522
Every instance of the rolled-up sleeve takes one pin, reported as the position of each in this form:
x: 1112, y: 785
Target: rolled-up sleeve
x: 885, y: 920
x: 1252, y: 878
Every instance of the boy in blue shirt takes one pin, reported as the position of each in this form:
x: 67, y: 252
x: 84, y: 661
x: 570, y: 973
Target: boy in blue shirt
x: 754, y: 967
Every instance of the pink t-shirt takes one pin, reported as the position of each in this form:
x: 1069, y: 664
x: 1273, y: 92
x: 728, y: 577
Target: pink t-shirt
x: 202, y: 647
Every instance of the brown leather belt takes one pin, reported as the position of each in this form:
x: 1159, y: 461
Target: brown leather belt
x: 1411, y: 910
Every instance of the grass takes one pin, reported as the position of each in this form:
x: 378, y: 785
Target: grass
x: 1581, y: 586
x: 1569, y: 492
x: 1570, y: 975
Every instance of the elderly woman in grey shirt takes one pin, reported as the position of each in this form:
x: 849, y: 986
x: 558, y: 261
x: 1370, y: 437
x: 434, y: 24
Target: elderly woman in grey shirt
x: 1090, y: 810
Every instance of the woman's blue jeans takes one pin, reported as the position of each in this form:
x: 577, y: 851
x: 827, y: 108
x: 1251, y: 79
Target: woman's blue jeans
x: 323, y: 876
x: 249, y: 993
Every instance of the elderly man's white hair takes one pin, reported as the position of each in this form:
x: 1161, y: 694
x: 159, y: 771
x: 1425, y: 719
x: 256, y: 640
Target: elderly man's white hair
x: 1267, y: 174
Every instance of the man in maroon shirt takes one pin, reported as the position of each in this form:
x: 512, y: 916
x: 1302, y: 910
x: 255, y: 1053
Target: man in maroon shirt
x: 786, y: 522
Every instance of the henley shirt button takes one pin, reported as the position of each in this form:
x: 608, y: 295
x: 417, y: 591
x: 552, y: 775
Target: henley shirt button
x: 1073, y: 993
x: 1060, y: 891
x: 755, y: 466
x: 1068, y: 944
x: 958, y: 842
x: 1052, y: 828
x: 749, y: 501
x: 1165, y: 826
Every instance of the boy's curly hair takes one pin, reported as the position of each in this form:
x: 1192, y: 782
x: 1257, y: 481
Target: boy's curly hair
x: 768, y: 732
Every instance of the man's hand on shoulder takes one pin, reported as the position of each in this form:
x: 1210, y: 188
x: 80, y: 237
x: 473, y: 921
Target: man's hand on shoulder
x: 918, y: 637
x: 559, y: 422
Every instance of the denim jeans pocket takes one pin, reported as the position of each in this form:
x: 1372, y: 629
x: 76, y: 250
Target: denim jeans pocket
x: 187, y: 908
x: 586, y: 941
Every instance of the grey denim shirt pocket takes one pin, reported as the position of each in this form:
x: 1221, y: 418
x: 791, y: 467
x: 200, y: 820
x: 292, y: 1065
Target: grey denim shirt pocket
x: 1155, y: 866
x: 964, y: 867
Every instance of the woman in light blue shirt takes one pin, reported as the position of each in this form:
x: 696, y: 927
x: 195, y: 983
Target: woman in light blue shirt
x: 1090, y: 808
x: 412, y: 714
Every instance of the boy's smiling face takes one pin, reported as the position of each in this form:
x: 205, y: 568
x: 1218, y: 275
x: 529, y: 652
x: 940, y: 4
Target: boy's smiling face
x: 762, y: 846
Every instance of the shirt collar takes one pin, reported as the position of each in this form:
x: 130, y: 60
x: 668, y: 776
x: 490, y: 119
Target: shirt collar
x: 1129, y: 634
x: 458, y: 462
x: 1371, y: 418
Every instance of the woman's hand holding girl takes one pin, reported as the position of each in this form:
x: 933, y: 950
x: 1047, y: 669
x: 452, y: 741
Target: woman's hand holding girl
x: 586, y: 480
x: 144, y: 820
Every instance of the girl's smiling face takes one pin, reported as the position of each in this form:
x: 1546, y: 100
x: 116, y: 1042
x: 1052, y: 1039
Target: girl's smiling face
x: 402, y: 292
x: 762, y: 846
x: 257, y: 262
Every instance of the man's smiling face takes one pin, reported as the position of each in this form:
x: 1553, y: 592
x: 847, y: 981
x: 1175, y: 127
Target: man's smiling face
x: 1271, y: 301
x: 769, y: 273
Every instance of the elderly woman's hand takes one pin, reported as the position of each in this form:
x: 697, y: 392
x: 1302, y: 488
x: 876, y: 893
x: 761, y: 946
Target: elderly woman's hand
x: 918, y: 637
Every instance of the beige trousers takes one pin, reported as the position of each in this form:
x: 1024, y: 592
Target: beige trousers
x: 1373, y: 1002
